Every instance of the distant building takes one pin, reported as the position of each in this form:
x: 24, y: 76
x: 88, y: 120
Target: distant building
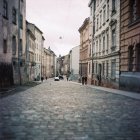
x: 49, y: 63
x: 74, y: 63
x: 12, y: 42
x: 130, y: 45
x: 85, y: 48
x: 63, y: 63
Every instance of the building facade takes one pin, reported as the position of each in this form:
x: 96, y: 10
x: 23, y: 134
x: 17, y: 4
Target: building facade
x: 30, y: 52
x: 12, y: 42
x: 130, y: 45
x: 85, y: 48
x: 49, y: 63
x: 74, y: 63
x: 106, y: 45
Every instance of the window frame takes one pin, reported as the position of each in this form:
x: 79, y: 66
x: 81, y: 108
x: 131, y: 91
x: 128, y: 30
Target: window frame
x: 14, y: 16
x: 5, y: 9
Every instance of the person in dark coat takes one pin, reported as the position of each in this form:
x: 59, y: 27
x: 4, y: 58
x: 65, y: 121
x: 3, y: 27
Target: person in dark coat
x: 83, y: 80
x: 42, y: 79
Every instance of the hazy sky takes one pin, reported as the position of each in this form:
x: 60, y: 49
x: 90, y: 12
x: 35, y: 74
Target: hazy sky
x: 58, y: 18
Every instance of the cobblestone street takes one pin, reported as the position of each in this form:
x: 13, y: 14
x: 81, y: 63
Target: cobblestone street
x: 66, y: 111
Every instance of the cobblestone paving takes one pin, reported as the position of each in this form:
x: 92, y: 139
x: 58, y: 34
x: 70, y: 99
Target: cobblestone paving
x: 67, y: 111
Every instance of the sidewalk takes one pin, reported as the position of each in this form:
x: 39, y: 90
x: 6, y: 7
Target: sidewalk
x: 133, y: 95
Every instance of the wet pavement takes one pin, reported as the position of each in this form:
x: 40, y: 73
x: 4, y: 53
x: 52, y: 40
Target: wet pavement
x: 61, y: 110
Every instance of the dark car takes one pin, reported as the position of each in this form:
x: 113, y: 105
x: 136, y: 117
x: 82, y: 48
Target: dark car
x: 61, y: 77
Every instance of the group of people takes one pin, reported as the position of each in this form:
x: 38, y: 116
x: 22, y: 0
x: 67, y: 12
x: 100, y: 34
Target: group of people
x: 42, y: 78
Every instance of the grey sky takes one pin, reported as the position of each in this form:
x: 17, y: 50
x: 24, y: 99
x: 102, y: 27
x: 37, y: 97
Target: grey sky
x: 58, y: 18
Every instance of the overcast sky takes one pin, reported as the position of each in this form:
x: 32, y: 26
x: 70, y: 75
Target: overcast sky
x: 58, y: 18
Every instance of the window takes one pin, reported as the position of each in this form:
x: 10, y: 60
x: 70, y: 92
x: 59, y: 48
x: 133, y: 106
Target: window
x: 104, y: 15
x: 100, y: 44
x: 14, y: 45
x: 103, y: 68
x: 100, y: 18
x: 14, y: 16
x: 130, y: 58
x: 108, y: 11
x: 90, y: 51
x: 134, y: 10
x: 97, y: 23
x: 5, y: 9
x: 20, y: 47
x: 4, y: 46
x: 92, y: 67
x: 113, y: 69
x: 113, y: 5
x: 107, y: 42
x: 89, y: 68
x: 21, y: 22
x: 113, y: 39
x: 138, y: 57
x: 96, y: 46
x: 96, y: 67
x: 107, y: 68
x: 103, y: 43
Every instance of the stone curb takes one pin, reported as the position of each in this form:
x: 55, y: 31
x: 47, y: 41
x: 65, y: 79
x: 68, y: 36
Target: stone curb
x: 133, y: 95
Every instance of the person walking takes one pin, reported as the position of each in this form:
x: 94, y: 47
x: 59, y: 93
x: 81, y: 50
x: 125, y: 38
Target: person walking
x: 42, y: 79
x: 67, y: 77
x: 83, y: 80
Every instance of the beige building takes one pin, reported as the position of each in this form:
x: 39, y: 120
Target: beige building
x: 85, y: 49
x: 12, y: 42
x: 49, y: 63
x: 30, y: 52
x: 39, y: 44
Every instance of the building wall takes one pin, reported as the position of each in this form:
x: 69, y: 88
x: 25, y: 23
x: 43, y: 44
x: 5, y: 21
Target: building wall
x: 84, y: 48
x: 75, y: 60
x: 105, y: 52
x: 10, y: 30
x: 130, y: 40
x: 38, y: 53
x: 74, y: 63
x: 30, y: 53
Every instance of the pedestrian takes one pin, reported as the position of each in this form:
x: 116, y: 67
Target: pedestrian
x: 67, y: 77
x: 46, y: 77
x: 83, y: 80
x: 42, y: 79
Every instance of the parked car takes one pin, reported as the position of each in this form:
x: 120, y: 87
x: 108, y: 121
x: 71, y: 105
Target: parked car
x: 61, y: 77
x: 56, y: 78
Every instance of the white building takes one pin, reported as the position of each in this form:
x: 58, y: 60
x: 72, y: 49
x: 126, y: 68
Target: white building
x: 106, y: 43
x: 74, y: 63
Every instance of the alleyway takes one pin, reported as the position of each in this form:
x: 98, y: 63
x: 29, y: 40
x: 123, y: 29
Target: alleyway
x: 60, y: 110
